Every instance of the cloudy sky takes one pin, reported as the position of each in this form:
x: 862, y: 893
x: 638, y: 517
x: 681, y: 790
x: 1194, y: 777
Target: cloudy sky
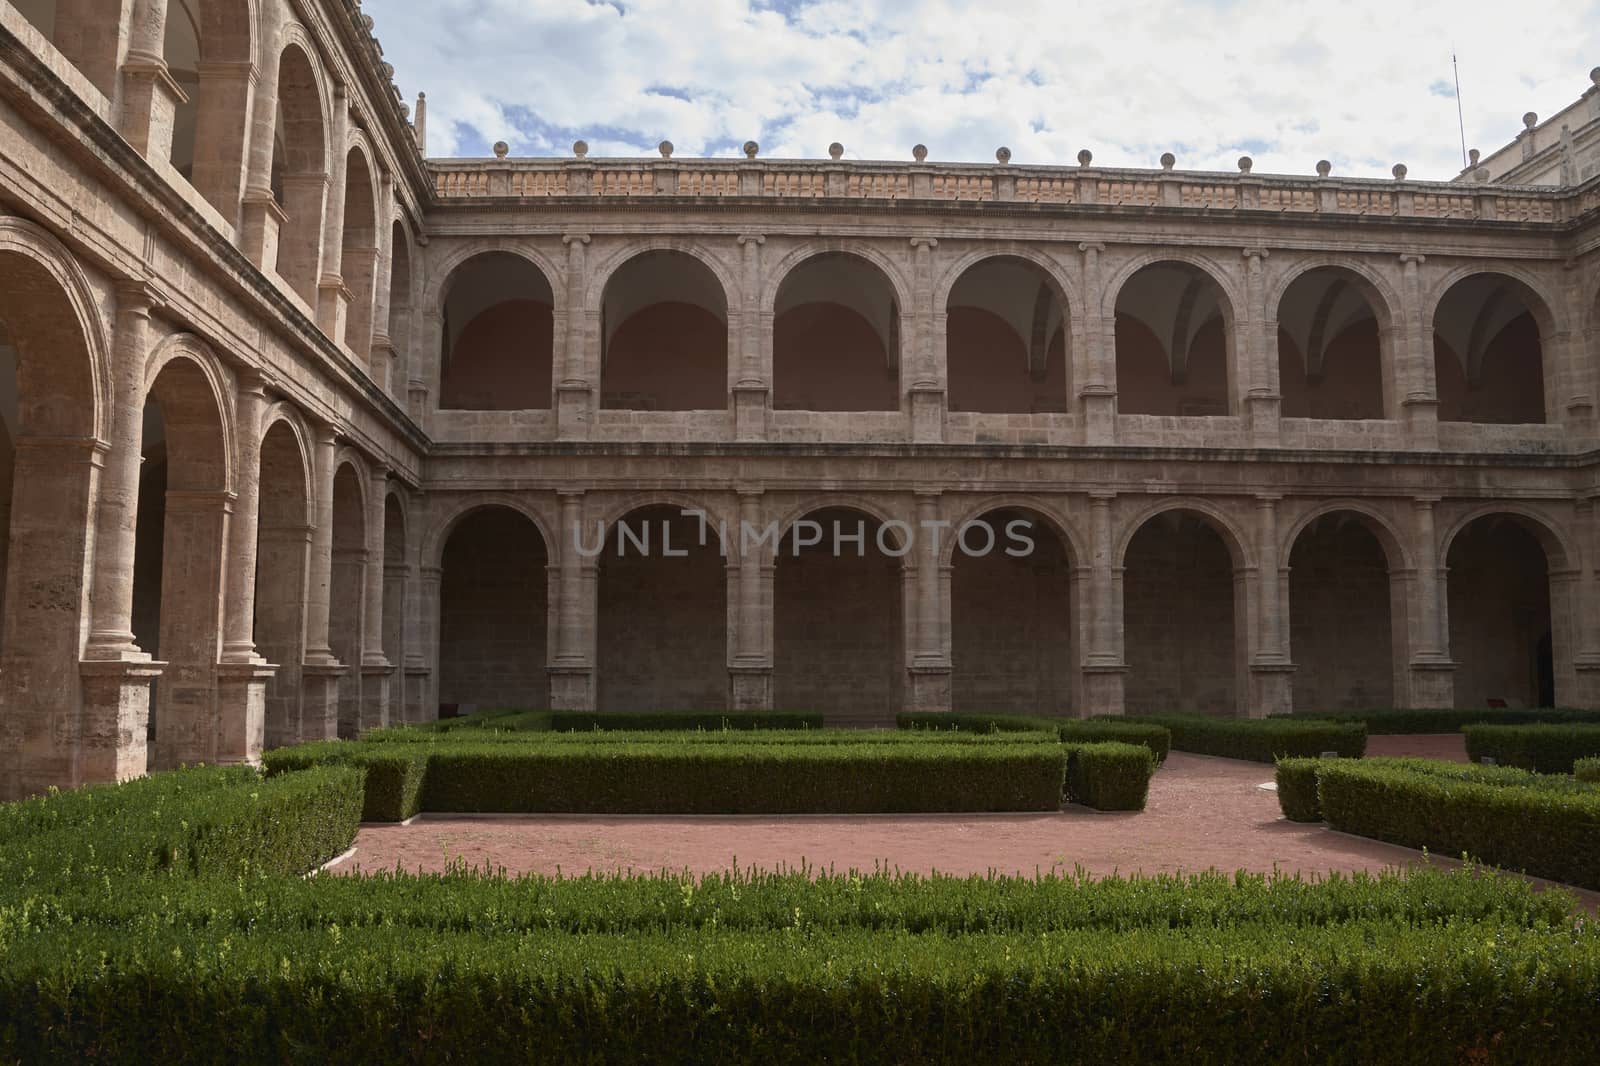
x: 1364, y: 83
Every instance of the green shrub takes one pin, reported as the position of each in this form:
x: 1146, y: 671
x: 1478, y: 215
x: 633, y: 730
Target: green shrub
x: 1260, y: 739
x: 1070, y: 730
x: 1102, y: 730
x: 59, y: 809
x: 1297, y: 789
x: 1546, y: 831
x: 1587, y: 770
x: 1110, y: 776
x: 942, y: 721
x: 1546, y: 749
x: 588, y: 721
x: 1382, y: 721
x: 393, y: 773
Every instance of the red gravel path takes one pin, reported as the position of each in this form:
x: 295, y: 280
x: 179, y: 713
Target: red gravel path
x: 1203, y: 813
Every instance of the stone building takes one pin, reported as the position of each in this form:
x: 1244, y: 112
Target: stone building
x: 304, y: 433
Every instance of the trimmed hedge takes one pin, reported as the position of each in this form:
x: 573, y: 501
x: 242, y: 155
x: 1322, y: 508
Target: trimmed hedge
x: 1587, y: 770
x: 1157, y: 738
x: 589, y: 721
x: 1546, y: 749
x: 1070, y: 730
x: 393, y: 774
x: 755, y: 778
x: 1261, y: 739
x: 943, y: 721
x: 1297, y: 789
x: 1547, y: 830
x: 1381, y: 721
x: 1110, y: 776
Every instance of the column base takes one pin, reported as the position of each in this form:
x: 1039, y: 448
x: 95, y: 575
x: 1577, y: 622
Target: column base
x: 1432, y: 683
x: 750, y: 686
x: 116, y: 720
x: 927, y: 413
x: 1099, y: 406
x: 1263, y: 412
x: 375, y: 712
x: 1421, y: 416
x: 928, y: 689
x: 263, y: 226
x: 319, y: 703
x: 1102, y: 689
x: 333, y: 307
x: 242, y: 711
x: 574, y: 410
x: 1587, y: 681
x: 750, y: 411
x: 1271, y: 689
x: 572, y: 688
x: 416, y: 680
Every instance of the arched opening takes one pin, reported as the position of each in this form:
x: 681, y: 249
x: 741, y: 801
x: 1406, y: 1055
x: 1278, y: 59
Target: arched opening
x: 179, y: 540
x: 838, y: 618
x: 300, y: 172
x: 1006, y: 339
x: 1013, y: 646
x: 181, y: 48
x: 1488, y: 352
x: 663, y: 640
x: 358, y: 264
x: 493, y: 607
x: 283, y: 551
x: 399, y: 324
x: 347, y: 593
x: 1330, y: 347
x: 1501, y: 636
x: 1174, y: 338
x: 836, y: 337
x: 1340, y: 611
x: 664, y: 335
x: 1179, y: 607
x: 499, y: 336
x: 47, y: 429
x: 394, y: 601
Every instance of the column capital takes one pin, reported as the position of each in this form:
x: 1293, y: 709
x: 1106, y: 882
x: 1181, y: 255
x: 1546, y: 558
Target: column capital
x: 1101, y: 497
x: 575, y: 238
x: 1255, y: 254
x: 252, y: 380
x: 1412, y: 260
x: 1091, y: 246
x: 1425, y: 500
x: 570, y: 495
x: 921, y: 243
x: 139, y: 295
x: 1268, y: 499
x: 752, y: 238
x: 749, y: 492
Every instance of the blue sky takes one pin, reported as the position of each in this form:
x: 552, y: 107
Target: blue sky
x: 1364, y: 84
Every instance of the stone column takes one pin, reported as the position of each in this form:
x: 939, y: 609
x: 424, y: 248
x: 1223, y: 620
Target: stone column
x: 93, y: 36
x: 375, y: 666
x: 1103, y: 668
x: 753, y: 386
x: 580, y: 349
x: 1257, y: 365
x: 422, y: 673
x: 1271, y: 673
x: 1432, y: 670
x: 1586, y: 606
x: 261, y: 220
x: 382, y: 356
x: 333, y: 295
x: 572, y: 670
x: 116, y: 674
x: 928, y: 388
x: 194, y: 545
x: 221, y: 128
x: 750, y: 671
x: 242, y: 675
x: 150, y: 97
x: 1420, y: 406
x: 1094, y: 372
x: 929, y: 670
x: 322, y: 669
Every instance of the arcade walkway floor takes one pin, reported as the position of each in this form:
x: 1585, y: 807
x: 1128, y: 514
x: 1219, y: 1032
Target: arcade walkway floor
x: 1203, y: 812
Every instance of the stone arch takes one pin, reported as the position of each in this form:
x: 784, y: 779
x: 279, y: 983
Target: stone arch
x: 842, y: 655
x: 602, y: 273
x: 1054, y: 517
x: 396, y: 570
x: 300, y: 164
x: 836, y: 332
x: 433, y: 541
x: 358, y: 263
x: 778, y: 273
x: 1059, y: 275
x: 1225, y: 525
x: 1510, y: 617
x: 286, y: 413
x: 402, y: 286
x: 1184, y: 592
x: 54, y: 390
x: 716, y: 514
x: 1335, y: 327
x: 207, y: 465
x: 1486, y: 318
x: 649, y: 659
x: 846, y: 502
x: 1382, y: 526
x: 494, y: 607
x: 666, y: 328
x: 497, y: 312
x: 283, y: 564
x: 1007, y: 349
x: 1177, y: 350
x: 209, y: 46
x: 441, y: 270
x: 347, y: 583
x: 1014, y: 643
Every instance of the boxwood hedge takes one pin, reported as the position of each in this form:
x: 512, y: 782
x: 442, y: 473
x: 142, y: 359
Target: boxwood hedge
x: 1400, y: 720
x: 1587, y: 770
x: 1297, y: 789
x: 1547, y: 749
x: 1260, y: 739
x: 586, y: 721
x: 1070, y: 730
x: 1111, y: 776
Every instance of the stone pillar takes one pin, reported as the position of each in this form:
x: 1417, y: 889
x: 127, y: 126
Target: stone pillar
x: 333, y: 294
x: 579, y: 359
x: 221, y: 127
x: 1094, y: 372
x: 1103, y: 667
x: 1419, y: 407
x: 422, y: 673
x: 750, y: 670
x: 188, y: 724
x: 1432, y: 670
x: 261, y: 220
x: 93, y: 35
x: 1586, y: 607
x: 322, y: 669
x: 242, y: 675
x: 928, y: 388
x: 929, y: 670
x: 150, y: 97
x: 572, y: 679
x: 1257, y: 364
x: 1271, y: 673
x: 375, y: 666
x: 753, y: 387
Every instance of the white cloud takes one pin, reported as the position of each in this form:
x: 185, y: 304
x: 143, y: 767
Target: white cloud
x: 1363, y: 83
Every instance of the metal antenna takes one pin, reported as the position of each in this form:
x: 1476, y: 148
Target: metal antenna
x: 1460, y: 118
